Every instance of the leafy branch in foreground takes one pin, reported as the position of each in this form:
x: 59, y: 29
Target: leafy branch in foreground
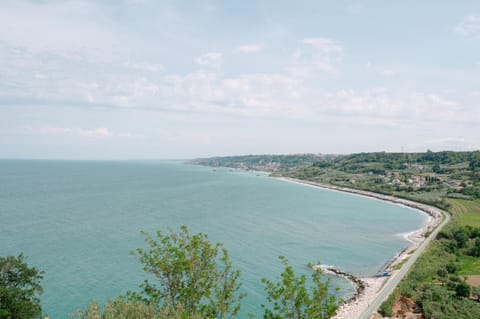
x: 195, y: 280
x: 20, y: 289
x: 194, y: 276
x: 290, y: 298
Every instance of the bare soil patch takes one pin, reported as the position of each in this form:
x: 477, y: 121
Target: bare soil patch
x: 473, y: 280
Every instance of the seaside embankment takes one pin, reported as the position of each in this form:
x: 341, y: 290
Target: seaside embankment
x: 368, y: 289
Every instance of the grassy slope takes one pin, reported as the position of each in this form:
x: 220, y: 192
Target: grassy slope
x: 466, y: 211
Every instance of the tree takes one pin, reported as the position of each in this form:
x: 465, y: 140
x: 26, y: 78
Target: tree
x: 461, y: 237
x: 475, y: 251
x: 463, y: 290
x: 451, y: 268
x: 443, y: 275
x: 290, y: 297
x: 195, y: 277
x: 20, y: 289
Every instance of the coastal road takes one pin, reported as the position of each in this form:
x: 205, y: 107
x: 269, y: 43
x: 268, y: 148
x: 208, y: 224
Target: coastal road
x: 394, y: 280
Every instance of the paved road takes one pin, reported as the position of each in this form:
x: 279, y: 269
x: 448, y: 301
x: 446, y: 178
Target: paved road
x: 393, y: 282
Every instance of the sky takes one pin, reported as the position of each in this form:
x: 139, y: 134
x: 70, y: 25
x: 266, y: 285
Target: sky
x: 147, y: 79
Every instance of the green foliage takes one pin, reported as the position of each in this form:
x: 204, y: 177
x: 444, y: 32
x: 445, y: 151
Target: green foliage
x: 451, y: 268
x: 472, y: 191
x: 195, y: 280
x: 20, y: 289
x: 461, y: 238
x: 442, y: 274
x: 386, y: 308
x: 475, y: 251
x: 463, y: 290
x: 290, y: 298
x: 436, y: 168
x: 194, y: 277
x: 118, y: 309
x: 121, y: 308
x: 437, y: 302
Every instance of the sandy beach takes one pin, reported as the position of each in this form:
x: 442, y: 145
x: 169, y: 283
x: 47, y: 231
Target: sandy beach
x: 369, y: 287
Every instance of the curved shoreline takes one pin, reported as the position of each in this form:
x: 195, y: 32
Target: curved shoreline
x: 367, y: 289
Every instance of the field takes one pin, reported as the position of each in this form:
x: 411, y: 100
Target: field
x: 468, y: 265
x: 466, y: 211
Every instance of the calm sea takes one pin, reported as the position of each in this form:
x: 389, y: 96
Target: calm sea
x: 79, y: 220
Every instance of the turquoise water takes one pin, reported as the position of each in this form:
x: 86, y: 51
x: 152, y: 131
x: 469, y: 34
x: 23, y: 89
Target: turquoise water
x: 79, y: 220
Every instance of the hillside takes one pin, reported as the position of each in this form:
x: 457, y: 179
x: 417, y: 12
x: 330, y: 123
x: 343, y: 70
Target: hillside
x: 267, y: 163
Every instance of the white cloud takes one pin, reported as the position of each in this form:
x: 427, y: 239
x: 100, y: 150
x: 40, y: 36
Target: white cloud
x: 447, y: 140
x: 250, y: 48
x: 384, y: 71
x: 388, y: 72
x: 121, y: 100
x: 469, y: 26
x: 453, y: 143
x: 121, y: 91
x: 409, y: 108
x: 137, y: 2
x: 210, y: 59
x: 324, y: 45
x: 317, y: 56
x: 40, y: 76
x: 146, y: 67
x: 75, y: 132
x: 96, y: 133
x: 290, y: 93
x: 287, y: 96
x: 74, y: 29
x: 355, y: 8
x: 251, y: 94
x: 475, y: 93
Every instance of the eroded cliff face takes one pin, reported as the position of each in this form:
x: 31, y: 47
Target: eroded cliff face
x: 404, y: 308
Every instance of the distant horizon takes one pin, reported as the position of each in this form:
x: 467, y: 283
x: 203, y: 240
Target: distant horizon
x: 212, y: 156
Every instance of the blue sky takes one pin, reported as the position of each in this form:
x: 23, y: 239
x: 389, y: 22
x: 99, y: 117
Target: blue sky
x: 151, y: 79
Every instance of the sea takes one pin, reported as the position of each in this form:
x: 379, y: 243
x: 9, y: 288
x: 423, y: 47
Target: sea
x: 79, y: 222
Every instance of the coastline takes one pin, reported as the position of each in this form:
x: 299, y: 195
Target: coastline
x: 368, y: 288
